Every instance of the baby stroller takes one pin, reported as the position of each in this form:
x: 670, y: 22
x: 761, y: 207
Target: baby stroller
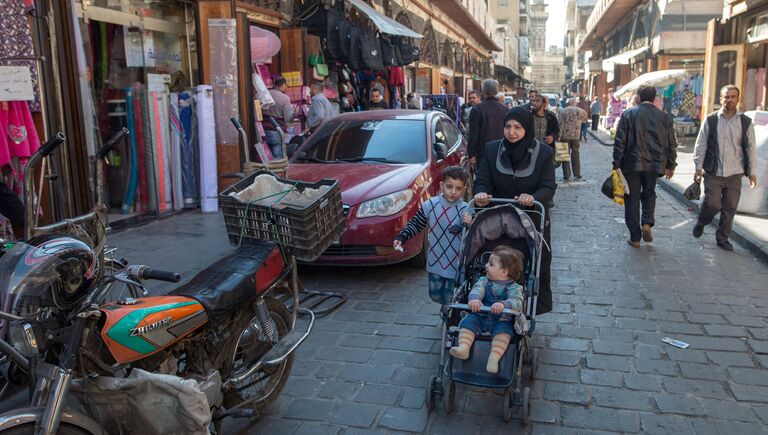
x: 502, y: 224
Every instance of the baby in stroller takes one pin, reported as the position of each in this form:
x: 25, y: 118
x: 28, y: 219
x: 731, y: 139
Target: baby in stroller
x: 499, y: 290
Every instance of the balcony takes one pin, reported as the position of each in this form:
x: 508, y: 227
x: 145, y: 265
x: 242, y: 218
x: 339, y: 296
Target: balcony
x: 604, y: 17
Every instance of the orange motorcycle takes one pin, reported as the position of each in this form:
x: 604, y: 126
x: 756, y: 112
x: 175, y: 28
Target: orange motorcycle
x: 100, y: 355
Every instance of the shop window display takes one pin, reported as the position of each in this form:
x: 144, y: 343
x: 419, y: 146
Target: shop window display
x: 140, y: 80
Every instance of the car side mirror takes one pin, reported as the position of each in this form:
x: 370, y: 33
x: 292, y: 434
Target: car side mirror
x: 441, y: 150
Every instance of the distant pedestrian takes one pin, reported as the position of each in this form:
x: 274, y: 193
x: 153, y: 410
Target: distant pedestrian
x: 473, y: 99
x: 584, y: 105
x: 570, y: 119
x: 532, y: 95
x: 546, y: 127
x: 412, y: 101
x: 320, y: 109
x: 595, y: 110
x: 644, y: 150
x: 377, y: 100
x: 486, y: 122
x: 282, y: 112
x: 443, y: 216
x: 725, y: 151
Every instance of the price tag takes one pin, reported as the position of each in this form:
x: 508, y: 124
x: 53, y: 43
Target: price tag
x: 16, y: 83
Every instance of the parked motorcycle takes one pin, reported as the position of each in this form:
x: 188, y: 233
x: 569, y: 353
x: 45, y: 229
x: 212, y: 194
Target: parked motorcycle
x: 224, y: 337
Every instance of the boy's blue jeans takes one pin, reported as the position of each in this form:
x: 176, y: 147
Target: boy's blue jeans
x: 440, y: 289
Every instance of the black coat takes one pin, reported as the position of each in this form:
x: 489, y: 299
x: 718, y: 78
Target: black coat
x: 540, y: 183
x: 645, y: 141
x: 486, y: 124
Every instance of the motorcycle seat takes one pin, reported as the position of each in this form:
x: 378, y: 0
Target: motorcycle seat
x: 235, y: 279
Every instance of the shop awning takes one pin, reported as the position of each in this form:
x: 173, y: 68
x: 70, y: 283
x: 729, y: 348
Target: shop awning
x: 502, y: 69
x: 459, y: 13
x: 656, y: 78
x: 621, y: 59
x: 383, y: 23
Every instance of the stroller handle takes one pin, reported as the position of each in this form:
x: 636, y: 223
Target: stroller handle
x: 484, y: 309
x: 499, y: 201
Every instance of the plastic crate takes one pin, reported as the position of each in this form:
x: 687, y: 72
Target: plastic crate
x: 305, y: 231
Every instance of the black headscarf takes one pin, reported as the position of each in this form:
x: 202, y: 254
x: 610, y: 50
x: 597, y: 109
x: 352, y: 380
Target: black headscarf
x: 518, y: 151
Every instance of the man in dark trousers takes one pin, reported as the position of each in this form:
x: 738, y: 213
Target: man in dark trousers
x: 486, y: 121
x: 644, y: 150
x: 725, y: 151
x: 595, y: 109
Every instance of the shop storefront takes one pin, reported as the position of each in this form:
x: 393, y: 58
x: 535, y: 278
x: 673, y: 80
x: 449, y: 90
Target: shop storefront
x: 137, y: 66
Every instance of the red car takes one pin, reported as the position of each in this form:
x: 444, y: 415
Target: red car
x: 388, y: 163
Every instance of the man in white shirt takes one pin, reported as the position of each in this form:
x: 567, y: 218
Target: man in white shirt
x: 725, y: 151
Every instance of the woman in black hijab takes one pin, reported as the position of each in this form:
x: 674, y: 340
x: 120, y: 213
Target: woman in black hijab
x: 522, y: 168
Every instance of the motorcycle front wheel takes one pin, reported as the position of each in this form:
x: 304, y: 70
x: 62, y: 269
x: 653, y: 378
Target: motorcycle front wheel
x: 263, y: 387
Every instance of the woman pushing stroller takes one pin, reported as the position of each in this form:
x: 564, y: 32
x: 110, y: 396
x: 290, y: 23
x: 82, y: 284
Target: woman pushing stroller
x: 520, y: 167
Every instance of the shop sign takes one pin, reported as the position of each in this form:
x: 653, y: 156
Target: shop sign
x: 16, y: 83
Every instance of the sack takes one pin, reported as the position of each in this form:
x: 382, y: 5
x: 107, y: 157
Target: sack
x: 693, y: 192
x: 333, y: 37
x: 320, y: 72
x: 262, y: 93
x: 618, y: 186
x: 607, y: 187
x: 562, y: 152
x: 371, y: 52
x: 388, y: 53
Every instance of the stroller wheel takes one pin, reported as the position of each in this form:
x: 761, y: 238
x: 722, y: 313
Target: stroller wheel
x: 508, y: 403
x: 525, y: 409
x: 450, y: 398
x: 534, y: 362
x: 431, y: 392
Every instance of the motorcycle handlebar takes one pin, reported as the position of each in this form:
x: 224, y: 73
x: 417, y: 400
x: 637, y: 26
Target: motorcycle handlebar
x: 159, y: 275
x: 52, y: 144
x: 236, y: 123
x: 111, y: 143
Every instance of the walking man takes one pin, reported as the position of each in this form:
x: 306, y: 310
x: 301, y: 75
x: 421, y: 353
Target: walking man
x: 282, y: 111
x: 645, y: 149
x: 570, y: 119
x: 486, y: 122
x: 320, y: 109
x: 595, y: 109
x: 725, y: 151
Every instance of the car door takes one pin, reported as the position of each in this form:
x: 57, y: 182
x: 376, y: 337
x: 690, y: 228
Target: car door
x: 447, y: 149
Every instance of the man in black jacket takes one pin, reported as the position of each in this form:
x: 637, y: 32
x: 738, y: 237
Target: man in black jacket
x: 486, y: 121
x: 644, y: 150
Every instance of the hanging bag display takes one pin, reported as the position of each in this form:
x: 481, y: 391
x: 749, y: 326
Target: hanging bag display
x: 333, y: 37
x: 371, y: 52
x: 319, y: 67
x: 355, y: 57
x: 388, y: 53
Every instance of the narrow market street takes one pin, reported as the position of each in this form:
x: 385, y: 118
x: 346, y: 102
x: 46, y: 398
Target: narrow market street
x: 603, y: 365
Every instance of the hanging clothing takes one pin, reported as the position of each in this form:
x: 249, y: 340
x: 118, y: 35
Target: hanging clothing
x: 17, y: 42
x: 18, y: 135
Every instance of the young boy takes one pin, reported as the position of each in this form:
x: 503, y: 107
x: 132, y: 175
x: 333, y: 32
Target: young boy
x: 444, y: 214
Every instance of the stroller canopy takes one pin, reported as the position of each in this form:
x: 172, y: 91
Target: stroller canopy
x: 496, y: 222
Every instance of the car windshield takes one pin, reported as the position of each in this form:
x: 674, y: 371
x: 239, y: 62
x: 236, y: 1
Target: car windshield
x: 379, y: 141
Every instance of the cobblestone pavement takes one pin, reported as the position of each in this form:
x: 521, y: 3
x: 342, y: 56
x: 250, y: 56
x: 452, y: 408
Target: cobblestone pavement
x: 603, y: 366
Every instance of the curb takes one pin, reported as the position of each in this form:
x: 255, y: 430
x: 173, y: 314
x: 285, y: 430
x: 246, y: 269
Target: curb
x: 743, y: 240
x: 597, y: 138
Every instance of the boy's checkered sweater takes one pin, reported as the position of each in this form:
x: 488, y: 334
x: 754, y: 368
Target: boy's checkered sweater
x: 444, y: 220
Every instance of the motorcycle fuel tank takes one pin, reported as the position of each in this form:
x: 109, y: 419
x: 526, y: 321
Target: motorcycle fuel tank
x: 135, y: 329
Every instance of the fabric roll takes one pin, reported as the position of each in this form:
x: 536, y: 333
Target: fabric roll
x: 167, y: 165
x: 139, y: 98
x: 176, y: 139
x: 157, y: 149
x: 188, y: 150
x: 130, y: 191
x: 209, y: 202
x: 149, y: 152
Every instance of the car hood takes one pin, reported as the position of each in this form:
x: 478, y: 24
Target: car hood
x: 359, y: 182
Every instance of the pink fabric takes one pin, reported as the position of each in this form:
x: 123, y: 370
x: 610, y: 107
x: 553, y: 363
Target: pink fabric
x: 18, y: 136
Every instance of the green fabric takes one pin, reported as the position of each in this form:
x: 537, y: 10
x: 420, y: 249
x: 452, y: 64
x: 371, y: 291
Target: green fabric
x: 321, y: 69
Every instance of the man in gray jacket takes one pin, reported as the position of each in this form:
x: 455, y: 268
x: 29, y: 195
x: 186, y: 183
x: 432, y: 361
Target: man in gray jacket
x: 725, y: 151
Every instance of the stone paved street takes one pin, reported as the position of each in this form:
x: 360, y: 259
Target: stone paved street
x: 603, y: 365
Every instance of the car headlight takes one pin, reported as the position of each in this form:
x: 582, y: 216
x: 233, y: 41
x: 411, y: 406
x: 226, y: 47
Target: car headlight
x: 386, y: 205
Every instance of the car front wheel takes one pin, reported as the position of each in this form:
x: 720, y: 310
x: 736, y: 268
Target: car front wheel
x: 420, y: 260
